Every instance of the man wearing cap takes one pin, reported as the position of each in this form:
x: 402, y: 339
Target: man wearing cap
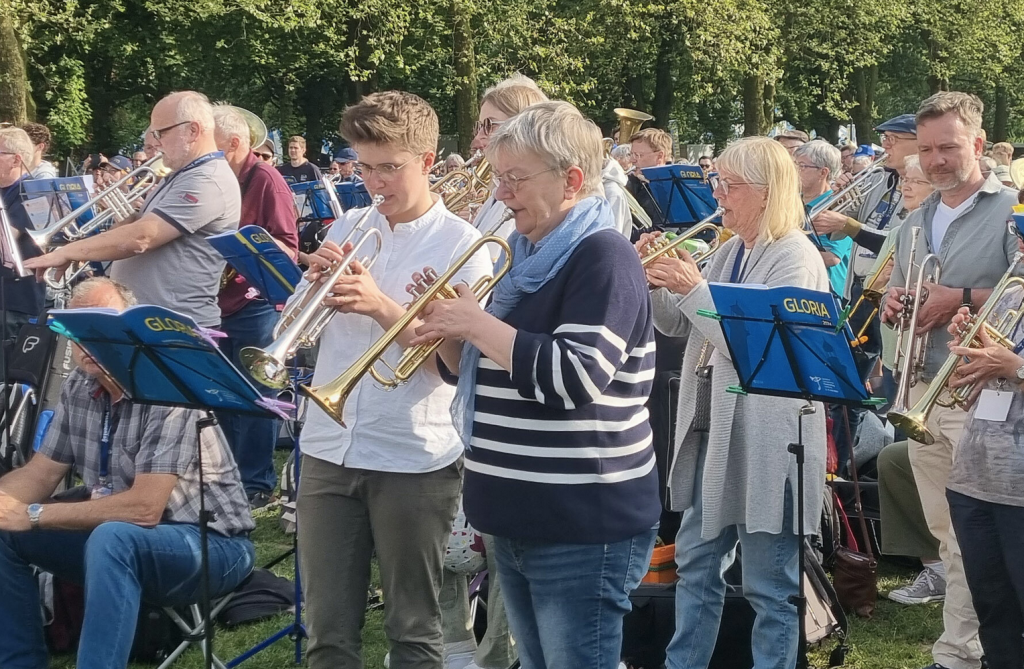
x: 266, y: 152
x: 346, y: 159
x: 792, y: 139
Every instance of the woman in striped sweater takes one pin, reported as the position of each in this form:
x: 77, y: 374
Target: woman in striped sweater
x: 553, y: 378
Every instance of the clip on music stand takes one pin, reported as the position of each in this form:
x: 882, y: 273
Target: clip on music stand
x: 253, y: 253
x: 788, y: 342
x: 682, y: 193
x: 158, y: 356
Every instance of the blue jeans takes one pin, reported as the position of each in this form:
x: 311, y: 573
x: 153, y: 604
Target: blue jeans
x: 119, y: 564
x: 252, y: 440
x: 565, y: 602
x: 770, y: 577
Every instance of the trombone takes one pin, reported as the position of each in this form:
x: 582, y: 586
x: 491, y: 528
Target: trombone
x: 118, y: 205
x: 911, y: 349
x: 331, y: 396
x: 669, y: 247
x: 851, y: 194
x: 914, y: 421
x: 304, y: 319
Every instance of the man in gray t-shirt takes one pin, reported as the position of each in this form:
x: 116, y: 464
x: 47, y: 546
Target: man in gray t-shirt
x: 986, y: 490
x: 162, y: 253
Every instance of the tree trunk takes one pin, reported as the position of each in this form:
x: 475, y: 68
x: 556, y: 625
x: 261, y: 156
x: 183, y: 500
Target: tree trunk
x: 753, y: 105
x: 935, y: 82
x: 865, y: 80
x: 466, y: 109
x: 13, y: 79
x: 768, y: 106
x: 1002, y: 115
x: 664, y: 78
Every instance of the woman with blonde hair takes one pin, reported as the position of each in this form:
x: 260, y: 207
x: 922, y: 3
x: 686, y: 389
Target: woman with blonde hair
x: 731, y: 475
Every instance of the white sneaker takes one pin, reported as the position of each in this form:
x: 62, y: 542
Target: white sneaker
x: 929, y: 586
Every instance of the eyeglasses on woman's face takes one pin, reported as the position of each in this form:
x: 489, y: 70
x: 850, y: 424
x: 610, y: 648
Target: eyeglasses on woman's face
x: 486, y: 126
x: 386, y: 171
x: 513, y: 182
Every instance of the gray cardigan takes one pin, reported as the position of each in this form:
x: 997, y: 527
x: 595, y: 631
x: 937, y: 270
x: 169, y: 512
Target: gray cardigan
x: 747, y: 466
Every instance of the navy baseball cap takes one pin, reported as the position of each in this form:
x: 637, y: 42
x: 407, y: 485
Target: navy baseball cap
x: 346, y: 155
x: 121, y: 162
x: 902, y: 123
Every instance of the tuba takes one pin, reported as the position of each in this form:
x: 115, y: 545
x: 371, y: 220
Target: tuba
x: 669, y: 247
x: 304, y: 319
x: 911, y: 348
x: 428, y: 286
x: 630, y: 121
x: 914, y: 422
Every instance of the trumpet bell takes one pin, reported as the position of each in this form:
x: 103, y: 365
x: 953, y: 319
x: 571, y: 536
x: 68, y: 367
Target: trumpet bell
x: 264, y: 367
x: 331, y: 396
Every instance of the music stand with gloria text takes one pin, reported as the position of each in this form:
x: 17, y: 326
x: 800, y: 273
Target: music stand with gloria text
x: 682, y: 193
x: 254, y: 254
x: 158, y: 356
x: 790, y: 342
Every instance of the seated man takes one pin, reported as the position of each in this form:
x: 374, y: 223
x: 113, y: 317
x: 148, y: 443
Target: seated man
x: 135, y: 535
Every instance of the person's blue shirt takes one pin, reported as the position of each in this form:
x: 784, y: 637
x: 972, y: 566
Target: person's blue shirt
x: 842, y: 249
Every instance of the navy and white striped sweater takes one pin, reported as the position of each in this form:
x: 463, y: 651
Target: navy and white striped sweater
x: 561, y: 447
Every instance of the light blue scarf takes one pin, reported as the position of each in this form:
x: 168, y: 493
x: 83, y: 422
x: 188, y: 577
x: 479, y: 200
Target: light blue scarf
x: 533, y: 265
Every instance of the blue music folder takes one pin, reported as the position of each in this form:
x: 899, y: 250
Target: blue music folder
x: 254, y: 254
x: 682, y: 193
x: 788, y: 342
x: 159, y: 356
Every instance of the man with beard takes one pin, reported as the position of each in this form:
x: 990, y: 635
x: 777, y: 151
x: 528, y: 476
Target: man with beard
x: 964, y: 223
x: 161, y: 253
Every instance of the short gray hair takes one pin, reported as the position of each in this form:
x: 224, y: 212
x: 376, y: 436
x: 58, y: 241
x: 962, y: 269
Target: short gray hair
x: 968, y: 107
x: 560, y: 135
x: 821, y: 154
x: 93, y: 283
x: 194, y: 107
x: 229, y: 123
x: 622, y: 151
x: 912, y: 162
x: 17, y: 141
x: 862, y: 161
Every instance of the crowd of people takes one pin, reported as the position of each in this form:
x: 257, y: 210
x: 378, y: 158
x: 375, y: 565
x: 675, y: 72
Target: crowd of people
x: 531, y: 422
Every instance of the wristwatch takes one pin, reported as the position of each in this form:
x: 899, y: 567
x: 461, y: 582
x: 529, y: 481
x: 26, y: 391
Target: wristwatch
x: 1020, y: 374
x: 34, y: 511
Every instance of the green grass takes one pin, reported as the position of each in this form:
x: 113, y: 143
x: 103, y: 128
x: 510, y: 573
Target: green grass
x: 897, y: 637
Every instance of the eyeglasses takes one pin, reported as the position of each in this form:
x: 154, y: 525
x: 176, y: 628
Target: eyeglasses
x: 487, y: 125
x: 265, y: 156
x: 385, y: 171
x: 890, y: 138
x: 724, y: 185
x: 512, y: 182
x: 158, y: 133
x: 917, y: 182
x: 807, y: 166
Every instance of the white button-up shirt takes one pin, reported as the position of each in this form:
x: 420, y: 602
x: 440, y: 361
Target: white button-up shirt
x: 409, y: 429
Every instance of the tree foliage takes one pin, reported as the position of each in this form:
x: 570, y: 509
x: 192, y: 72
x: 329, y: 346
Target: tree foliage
x: 93, y: 68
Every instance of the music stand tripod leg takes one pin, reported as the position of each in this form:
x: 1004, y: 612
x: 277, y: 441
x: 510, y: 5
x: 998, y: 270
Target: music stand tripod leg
x: 800, y: 599
x: 204, y: 543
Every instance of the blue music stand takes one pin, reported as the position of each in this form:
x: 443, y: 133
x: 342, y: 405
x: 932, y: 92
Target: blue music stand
x: 316, y: 201
x: 354, y: 195
x: 790, y: 342
x: 158, y: 356
x: 253, y: 253
x: 63, y: 195
x: 682, y: 193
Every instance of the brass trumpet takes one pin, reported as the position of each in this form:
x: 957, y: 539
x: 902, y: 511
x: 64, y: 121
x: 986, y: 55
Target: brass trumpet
x: 872, y: 293
x: 910, y: 348
x: 914, y: 422
x: 669, y: 248
x: 306, y: 316
x: 331, y: 396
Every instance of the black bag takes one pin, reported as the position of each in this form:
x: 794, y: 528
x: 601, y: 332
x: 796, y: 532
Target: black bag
x: 156, y: 635
x: 262, y: 595
x: 29, y: 355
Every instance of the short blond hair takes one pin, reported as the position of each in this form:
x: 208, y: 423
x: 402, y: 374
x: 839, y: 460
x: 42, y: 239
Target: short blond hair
x: 392, y: 118
x: 16, y: 141
x: 560, y: 135
x: 969, y: 108
x: 514, y: 94
x: 657, y: 139
x: 298, y: 139
x: 765, y: 163
x: 1002, y: 152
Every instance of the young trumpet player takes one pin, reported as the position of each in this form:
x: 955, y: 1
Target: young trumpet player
x: 389, y: 481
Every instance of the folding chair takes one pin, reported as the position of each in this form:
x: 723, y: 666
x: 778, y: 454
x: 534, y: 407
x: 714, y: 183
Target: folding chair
x: 193, y: 628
